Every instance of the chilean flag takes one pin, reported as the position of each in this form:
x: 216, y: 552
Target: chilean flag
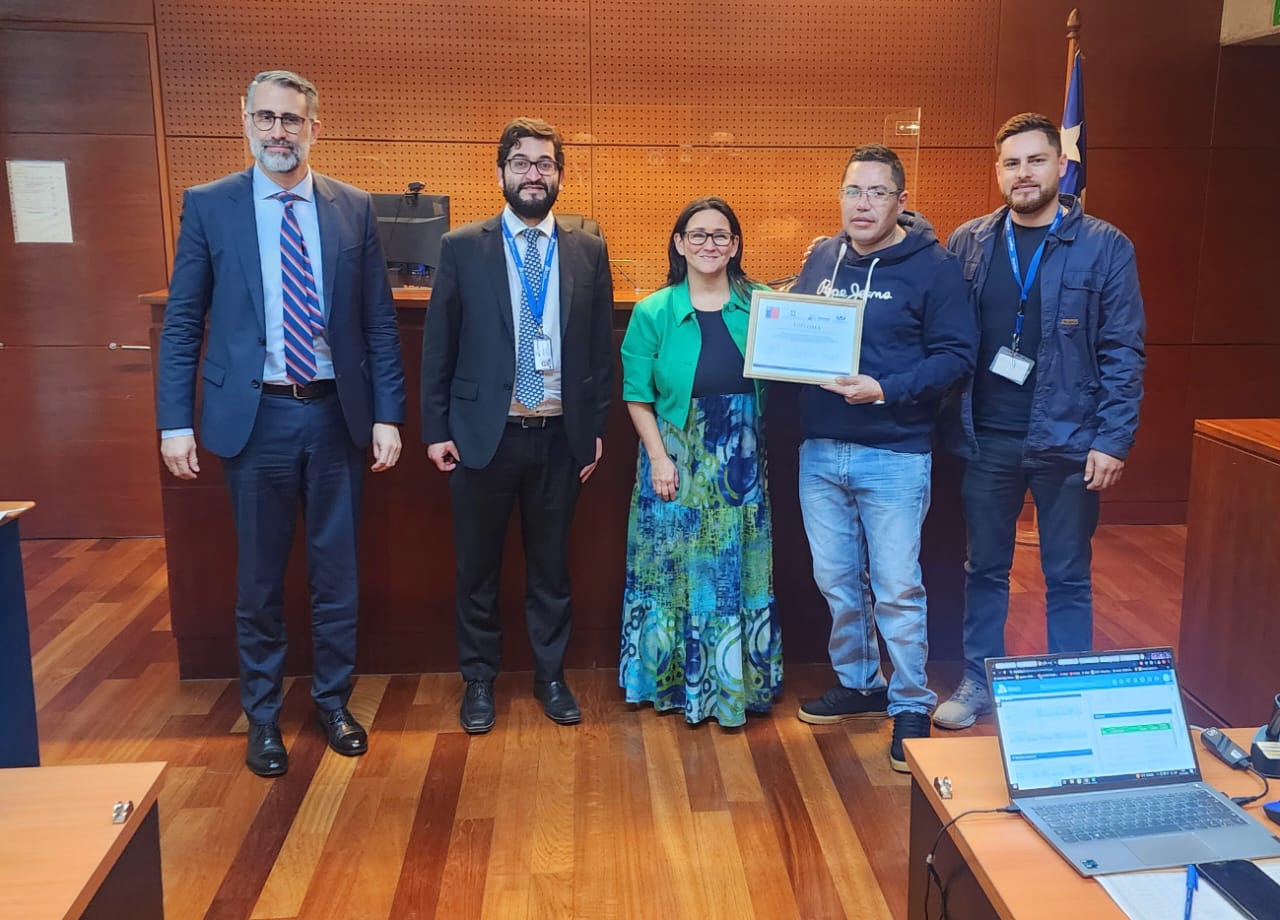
x: 1073, y: 143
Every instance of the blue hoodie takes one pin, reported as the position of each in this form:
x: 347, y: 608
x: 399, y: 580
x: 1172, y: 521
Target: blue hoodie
x: 919, y: 336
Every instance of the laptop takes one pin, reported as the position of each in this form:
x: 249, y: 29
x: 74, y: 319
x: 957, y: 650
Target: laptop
x: 1098, y: 757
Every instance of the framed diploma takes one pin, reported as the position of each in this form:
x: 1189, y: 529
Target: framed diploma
x: 803, y: 338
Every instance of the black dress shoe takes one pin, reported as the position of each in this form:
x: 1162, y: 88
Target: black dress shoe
x: 557, y: 701
x: 346, y: 735
x: 477, y: 715
x: 266, y: 755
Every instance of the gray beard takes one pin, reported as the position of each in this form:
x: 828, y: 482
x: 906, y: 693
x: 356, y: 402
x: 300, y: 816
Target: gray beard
x: 279, y: 162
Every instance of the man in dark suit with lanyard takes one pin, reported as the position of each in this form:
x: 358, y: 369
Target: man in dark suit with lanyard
x: 301, y: 373
x: 516, y: 380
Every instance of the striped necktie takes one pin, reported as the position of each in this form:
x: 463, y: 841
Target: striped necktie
x: 302, y: 319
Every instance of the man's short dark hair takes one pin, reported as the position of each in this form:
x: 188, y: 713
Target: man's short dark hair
x: 1029, y: 121
x: 519, y: 128
x: 879, y: 153
x: 289, y: 80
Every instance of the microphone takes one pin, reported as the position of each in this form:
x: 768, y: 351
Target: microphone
x: 623, y: 272
x: 412, y: 191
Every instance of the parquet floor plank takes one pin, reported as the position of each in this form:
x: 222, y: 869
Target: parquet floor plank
x: 628, y: 816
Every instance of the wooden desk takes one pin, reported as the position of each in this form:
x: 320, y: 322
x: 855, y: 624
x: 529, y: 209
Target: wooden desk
x: 407, y: 554
x: 1230, y: 628
x: 20, y: 745
x: 61, y: 858
x: 997, y: 865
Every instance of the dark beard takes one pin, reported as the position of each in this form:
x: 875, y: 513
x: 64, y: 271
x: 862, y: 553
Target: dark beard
x: 530, y: 210
x: 1035, y: 204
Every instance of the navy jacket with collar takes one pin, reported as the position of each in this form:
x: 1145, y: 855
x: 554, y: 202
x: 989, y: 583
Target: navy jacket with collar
x: 1091, y: 358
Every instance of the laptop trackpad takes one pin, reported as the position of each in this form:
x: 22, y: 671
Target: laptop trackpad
x: 1170, y: 849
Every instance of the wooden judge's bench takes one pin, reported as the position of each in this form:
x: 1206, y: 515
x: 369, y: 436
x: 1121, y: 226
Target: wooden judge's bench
x: 407, y: 559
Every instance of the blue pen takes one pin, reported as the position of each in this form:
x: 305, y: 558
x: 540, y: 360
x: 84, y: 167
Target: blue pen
x: 1193, y: 882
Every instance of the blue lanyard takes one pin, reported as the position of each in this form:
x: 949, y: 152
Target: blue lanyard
x: 1024, y: 287
x: 536, y: 304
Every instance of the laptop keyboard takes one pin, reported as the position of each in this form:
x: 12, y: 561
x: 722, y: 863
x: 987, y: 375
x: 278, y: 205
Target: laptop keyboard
x: 1138, y: 815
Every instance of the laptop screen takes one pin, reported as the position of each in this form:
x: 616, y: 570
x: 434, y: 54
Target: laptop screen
x: 1091, y: 720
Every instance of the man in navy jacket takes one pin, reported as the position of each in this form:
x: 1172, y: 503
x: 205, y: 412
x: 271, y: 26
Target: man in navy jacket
x: 1054, y: 401
x: 866, y: 458
x: 301, y: 372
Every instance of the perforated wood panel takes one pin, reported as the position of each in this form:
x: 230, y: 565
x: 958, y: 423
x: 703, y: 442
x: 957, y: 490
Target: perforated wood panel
x: 387, y: 69
x: 659, y: 101
x: 783, y: 62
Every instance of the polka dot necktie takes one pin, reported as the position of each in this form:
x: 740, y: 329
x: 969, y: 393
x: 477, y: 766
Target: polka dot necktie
x: 529, y: 387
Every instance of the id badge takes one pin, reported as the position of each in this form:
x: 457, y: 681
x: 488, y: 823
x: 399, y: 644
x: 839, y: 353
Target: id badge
x: 543, y: 360
x: 1011, y: 365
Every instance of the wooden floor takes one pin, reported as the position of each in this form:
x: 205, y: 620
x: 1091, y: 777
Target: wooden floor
x: 628, y: 815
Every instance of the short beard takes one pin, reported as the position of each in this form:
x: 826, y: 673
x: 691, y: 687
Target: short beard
x: 1030, y: 206
x: 279, y: 162
x: 530, y: 210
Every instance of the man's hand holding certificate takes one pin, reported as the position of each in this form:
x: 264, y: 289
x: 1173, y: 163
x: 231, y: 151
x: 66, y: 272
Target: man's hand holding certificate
x: 857, y: 389
x: 805, y: 339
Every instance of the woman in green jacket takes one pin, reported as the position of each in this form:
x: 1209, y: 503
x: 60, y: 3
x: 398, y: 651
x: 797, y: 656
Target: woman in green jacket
x: 700, y: 628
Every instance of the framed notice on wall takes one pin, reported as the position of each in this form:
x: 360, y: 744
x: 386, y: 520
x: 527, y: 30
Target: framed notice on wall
x: 39, y: 201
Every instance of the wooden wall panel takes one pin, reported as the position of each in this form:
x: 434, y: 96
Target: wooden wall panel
x: 951, y: 186
x: 79, y: 436
x: 1149, y: 67
x: 137, y: 12
x: 1236, y: 297
x: 1245, y: 115
x: 775, y: 61
x: 76, y: 82
x: 386, y: 69
x: 1165, y: 228
x: 85, y: 293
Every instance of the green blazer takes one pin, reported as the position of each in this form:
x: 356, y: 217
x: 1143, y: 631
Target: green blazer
x: 660, y: 350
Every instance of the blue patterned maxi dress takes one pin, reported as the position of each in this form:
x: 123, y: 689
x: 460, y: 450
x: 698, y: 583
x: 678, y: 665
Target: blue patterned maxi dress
x: 700, y: 627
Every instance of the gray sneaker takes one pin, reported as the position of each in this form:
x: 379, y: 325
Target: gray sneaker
x: 968, y: 702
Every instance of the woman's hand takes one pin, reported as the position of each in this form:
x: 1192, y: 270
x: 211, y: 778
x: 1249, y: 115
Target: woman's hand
x: 665, y: 478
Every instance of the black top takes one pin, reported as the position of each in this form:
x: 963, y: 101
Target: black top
x: 997, y: 401
x: 719, y: 369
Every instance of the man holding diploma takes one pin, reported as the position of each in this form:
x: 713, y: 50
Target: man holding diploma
x: 866, y: 460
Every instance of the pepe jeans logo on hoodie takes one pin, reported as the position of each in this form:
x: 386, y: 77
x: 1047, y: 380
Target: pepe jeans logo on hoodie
x: 827, y: 289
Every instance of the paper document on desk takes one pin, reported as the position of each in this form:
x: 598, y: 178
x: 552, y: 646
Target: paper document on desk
x: 1162, y: 894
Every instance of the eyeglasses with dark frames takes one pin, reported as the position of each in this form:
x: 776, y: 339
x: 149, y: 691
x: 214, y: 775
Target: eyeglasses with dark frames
x: 265, y: 119
x: 520, y: 165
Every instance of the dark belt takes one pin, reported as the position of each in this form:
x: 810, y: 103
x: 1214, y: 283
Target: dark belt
x: 535, y: 421
x: 313, y: 390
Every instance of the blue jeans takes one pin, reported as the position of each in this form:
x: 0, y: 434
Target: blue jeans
x: 863, y: 509
x: 992, y: 491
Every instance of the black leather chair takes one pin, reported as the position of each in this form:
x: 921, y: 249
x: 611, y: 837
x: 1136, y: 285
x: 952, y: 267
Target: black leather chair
x: 578, y: 222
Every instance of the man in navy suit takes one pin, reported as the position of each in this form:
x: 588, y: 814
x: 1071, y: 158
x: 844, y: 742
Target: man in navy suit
x: 301, y: 373
x: 516, y: 380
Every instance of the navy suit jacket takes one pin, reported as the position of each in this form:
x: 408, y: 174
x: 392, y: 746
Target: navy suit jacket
x: 468, y: 350
x: 217, y: 277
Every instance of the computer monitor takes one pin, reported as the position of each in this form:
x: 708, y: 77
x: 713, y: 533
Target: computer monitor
x: 410, y: 226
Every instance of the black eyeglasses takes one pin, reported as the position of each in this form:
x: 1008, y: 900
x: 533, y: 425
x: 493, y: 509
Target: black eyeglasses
x: 265, y: 119
x: 520, y: 165
x: 698, y: 237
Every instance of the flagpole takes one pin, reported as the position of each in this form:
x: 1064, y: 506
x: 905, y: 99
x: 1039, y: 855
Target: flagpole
x: 1073, y: 45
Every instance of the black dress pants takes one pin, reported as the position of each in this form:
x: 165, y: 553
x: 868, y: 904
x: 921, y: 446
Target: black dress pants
x: 533, y: 468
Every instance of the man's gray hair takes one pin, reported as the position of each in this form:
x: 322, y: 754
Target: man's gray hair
x: 290, y: 80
